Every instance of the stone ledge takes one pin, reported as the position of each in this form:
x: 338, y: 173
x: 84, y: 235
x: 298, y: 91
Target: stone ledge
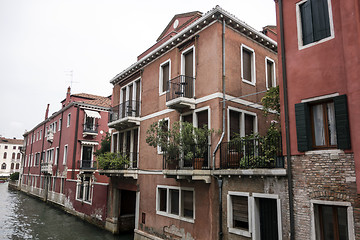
x: 252, y: 172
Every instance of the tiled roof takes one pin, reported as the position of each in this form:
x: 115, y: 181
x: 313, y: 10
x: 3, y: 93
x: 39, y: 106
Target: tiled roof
x: 94, y: 99
x: 11, y: 141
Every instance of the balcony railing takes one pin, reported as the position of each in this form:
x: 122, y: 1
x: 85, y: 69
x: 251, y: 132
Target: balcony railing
x: 92, y: 128
x: 46, y: 167
x: 258, y: 152
x: 124, y: 110
x: 180, y: 86
x: 87, y: 164
x: 194, y: 157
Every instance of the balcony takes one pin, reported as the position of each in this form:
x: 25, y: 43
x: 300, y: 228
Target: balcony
x: 125, y: 115
x: 117, y: 168
x: 193, y: 164
x: 50, y: 136
x: 90, y: 130
x: 87, y: 165
x: 46, y: 168
x: 181, y: 93
x: 252, y: 156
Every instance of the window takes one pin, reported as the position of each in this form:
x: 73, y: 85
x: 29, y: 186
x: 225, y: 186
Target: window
x: 176, y: 202
x: 40, y: 134
x: 84, y: 189
x: 314, y: 19
x: 14, y: 147
x: 187, y: 79
x: 56, y: 159
x: 165, y: 124
x: 62, y: 187
x: 18, y: 156
x: 130, y: 100
x: 5, y: 155
x: 55, y: 126
x: 164, y: 76
x: 60, y: 122
x: 49, y: 155
x: 128, y: 144
x: 332, y: 220
x: 12, y: 166
x: 241, y: 123
x: 3, y: 166
x: 13, y: 155
x: 68, y: 120
x: 17, y: 166
x: 6, y: 147
x: 322, y: 123
x: 65, y: 154
x: 248, y: 65
x: 270, y: 73
x: 37, y: 159
x: 239, y: 218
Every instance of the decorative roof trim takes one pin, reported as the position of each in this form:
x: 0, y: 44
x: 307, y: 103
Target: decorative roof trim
x: 216, y: 13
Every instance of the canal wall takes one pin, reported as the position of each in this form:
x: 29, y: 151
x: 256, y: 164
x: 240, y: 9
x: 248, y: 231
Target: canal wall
x: 14, y: 184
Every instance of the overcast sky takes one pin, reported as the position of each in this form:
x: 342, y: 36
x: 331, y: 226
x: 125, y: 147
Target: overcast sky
x: 42, y: 41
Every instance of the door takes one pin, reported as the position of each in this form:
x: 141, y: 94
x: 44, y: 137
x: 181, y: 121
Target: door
x: 268, y: 219
x: 86, y: 157
x: 189, y: 73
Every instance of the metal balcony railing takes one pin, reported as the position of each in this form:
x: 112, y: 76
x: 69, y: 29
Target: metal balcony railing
x: 46, y: 167
x: 180, y: 86
x: 258, y: 152
x: 123, y: 110
x: 193, y: 157
x: 90, y: 128
x: 87, y: 164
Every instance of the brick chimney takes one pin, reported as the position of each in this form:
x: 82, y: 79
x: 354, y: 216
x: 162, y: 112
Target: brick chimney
x: 68, y: 93
x: 47, y: 111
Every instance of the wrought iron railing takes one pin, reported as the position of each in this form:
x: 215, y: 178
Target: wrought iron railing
x: 258, y: 152
x: 180, y: 86
x: 90, y: 128
x: 87, y: 164
x: 192, y: 157
x: 123, y: 110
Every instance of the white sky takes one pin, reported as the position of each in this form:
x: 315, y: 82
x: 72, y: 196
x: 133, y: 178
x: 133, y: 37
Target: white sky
x: 42, y: 40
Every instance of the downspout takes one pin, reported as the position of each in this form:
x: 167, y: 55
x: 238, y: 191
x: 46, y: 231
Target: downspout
x: 61, y: 129
x: 42, y: 148
x: 287, y: 133
x: 75, y: 143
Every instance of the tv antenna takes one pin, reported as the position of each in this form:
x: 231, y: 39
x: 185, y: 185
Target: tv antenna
x: 70, y: 73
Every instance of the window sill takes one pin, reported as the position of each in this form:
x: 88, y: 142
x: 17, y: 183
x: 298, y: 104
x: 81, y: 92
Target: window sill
x: 324, y: 151
x: 252, y: 83
x: 190, y: 220
x: 161, y: 93
x: 83, y: 201
x: 301, y: 47
x: 239, y: 232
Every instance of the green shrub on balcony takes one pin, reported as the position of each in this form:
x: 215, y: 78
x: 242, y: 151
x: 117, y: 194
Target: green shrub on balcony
x: 112, y: 161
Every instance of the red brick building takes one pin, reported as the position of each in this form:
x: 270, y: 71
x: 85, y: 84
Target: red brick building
x: 207, y: 69
x: 320, y: 49
x: 59, y: 165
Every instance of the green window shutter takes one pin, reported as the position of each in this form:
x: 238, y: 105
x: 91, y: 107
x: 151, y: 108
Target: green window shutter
x: 303, y: 127
x: 306, y: 23
x: 320, y: 19
x: 342, y: 122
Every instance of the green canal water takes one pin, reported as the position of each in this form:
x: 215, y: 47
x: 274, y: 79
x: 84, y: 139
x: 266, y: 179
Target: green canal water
x: 24, y: 217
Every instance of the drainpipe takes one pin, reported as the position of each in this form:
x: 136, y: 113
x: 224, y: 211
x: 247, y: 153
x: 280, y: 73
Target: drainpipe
x: 286, y: 111
x: 223, y: 73
x: 61, y: 129
x: 75, y: 143
x: 220, y: 183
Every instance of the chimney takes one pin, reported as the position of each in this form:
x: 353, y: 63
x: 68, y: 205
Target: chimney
x: 68, y: 93
x: 47, y: 111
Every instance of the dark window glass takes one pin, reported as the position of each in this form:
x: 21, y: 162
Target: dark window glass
x: 165, y: 77
x: 162, y: 199
x: 247, y: 56
x: 187, y: 203
x: 174, y: 201
x: 240, y: 212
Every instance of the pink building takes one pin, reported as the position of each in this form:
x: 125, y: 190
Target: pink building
x: 59, y: 165
x: 320, y: 48
x: 207, y: 69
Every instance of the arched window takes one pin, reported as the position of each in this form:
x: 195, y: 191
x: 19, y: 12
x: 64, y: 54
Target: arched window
x: 17, y: 166
x: 3, y: 166
x: 5, y: 154
x: 13, y: 156
x: 12, y: 165
x: 18, y: 156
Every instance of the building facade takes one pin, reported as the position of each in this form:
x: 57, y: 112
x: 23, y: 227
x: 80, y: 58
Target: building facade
x: 59, y: 165
x: 207, y: 69
x: 320, y: 50
x: 10, y: 156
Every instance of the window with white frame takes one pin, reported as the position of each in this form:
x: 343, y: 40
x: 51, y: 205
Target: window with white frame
x: 56, y: 155
x: 60, y: 122
x: 164, y: 76
x: 40, y: 134
x: 314, y: 22
x: 130, y: 96
x: 239, y: 213
x: 65, y: 154
x: 84, y: 189
x: 50, y: 155
x: 241, y: 123
x: 248, y: 73
x: 270, y: 73
x: 128, y: 145
x: 187, y: 78
x: 176, y: 202
x: 68, y: 120
x: 332, y: 220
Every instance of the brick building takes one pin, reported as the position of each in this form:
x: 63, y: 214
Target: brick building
x: 320, y: 51
x: 207, y: 69
x: 58, y: 163
x: 10, y: 156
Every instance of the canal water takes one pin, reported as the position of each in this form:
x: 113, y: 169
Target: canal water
x: 24, y: 217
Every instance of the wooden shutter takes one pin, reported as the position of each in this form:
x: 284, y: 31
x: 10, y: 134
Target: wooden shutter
x: 240, y: 212
x: 303, y: 127
x: 306, y: 23
x: 249, y: 124
x: 270, y: 74
x: 234, y: 124
x: 246, y: 64
x: 202, y: 118
x: 320, y: 19
x: 342, y: 122
x: 165, y: 77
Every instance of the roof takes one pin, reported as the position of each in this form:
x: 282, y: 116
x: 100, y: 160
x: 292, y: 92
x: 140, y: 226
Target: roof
x: 93, y: 99
x: 11, y: 141
x: 216, y: 14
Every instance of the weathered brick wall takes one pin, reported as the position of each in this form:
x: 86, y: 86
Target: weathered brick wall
x: 323, y: 175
